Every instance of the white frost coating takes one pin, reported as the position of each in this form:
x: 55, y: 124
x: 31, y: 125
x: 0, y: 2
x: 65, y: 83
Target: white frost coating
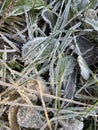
x: 26, y: 47
x: 45, y: 18
x: 27, y: 54
x: 74, y: 124
x: 80, y: 1
x: 49, y: 17
x: 85, y: 71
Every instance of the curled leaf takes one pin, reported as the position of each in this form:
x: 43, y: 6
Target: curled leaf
x: 13, y: 118
x: 12, y: 115
x: 85, y: 71
x: 50, y: 17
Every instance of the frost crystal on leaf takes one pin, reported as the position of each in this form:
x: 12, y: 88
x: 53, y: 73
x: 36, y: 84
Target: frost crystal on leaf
x: 85, y: 71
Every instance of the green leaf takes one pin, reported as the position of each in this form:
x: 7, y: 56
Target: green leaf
x: 34, y: 3
x: 38, y: 48
x: 65, y: 66
x: 63, y: 18
x: 22, y: 5
x: 82, y: 3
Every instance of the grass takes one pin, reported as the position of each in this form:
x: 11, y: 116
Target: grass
x: 46, y: 70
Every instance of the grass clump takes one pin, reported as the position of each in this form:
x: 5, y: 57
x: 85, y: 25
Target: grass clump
x: 48, y: 65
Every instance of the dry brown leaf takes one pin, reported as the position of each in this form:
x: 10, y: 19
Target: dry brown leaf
x: 12, y: 115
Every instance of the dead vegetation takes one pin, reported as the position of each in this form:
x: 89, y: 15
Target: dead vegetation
x: 48, y: 65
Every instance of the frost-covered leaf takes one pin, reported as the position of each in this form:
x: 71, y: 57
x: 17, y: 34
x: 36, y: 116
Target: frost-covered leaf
x: 87, y: 49
x: 37, y: 4
x: 94, y: 4
x: 85, y: 71
x: 74, y: 124
x: 56, y: 6
x: 29, y: 118
x: 37, y: 48
x: 28, y: 48
x: 65, y: 14
x: 65, y: 66
x: 70, y: 88
x: 90, y: 14
x: 63, y: 17
x: 82, y: 3
x: 92, y: 22
x: 50, y: 17
x: 20, y: 10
